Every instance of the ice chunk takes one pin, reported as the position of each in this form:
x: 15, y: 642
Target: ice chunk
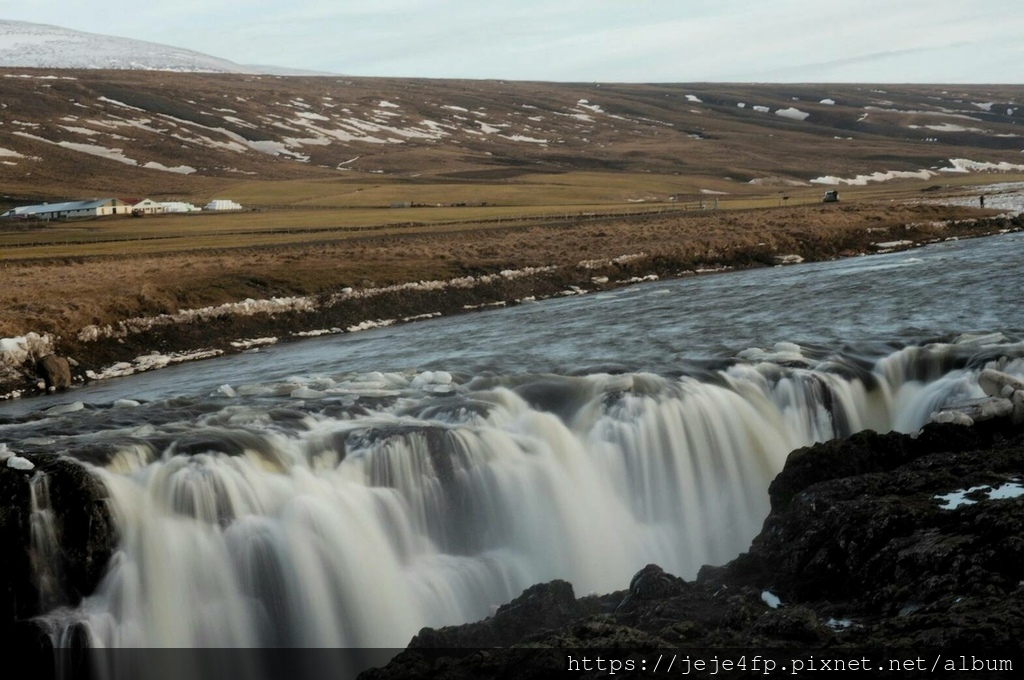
x: 65, y: 408
x: 954, y: 417
x: 998, y: 384
x: 307, y: 393
x: 19, y: 463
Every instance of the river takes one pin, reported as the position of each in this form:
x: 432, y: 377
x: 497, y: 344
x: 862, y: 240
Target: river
x: 349, y: 490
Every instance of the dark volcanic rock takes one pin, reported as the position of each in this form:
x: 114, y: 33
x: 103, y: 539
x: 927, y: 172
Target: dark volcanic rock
x: 38, y: 574
x: 872, y: 526
x: 866, y: 545
x: 546, y: 604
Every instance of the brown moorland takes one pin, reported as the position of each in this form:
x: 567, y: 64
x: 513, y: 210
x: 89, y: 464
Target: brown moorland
x: 495, y: 175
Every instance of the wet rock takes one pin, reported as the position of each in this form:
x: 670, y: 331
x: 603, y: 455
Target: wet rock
x: 882, y: 534
x: 70, y: 503
x: 540, y: 607
x: 55, y: 371
x: 792, y: 624
x: 652, y: 583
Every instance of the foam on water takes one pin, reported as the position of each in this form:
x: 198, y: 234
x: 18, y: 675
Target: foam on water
x: 354, y: 509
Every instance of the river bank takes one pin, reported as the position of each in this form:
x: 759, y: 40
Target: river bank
x: 143, y: 313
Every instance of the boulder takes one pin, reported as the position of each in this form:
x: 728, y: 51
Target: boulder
x: 540, y: 607
x: 84, y: 537
x: 55, y: 371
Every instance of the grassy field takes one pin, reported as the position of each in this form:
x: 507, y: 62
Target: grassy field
x: 302, y: 212
x: 100, y: 271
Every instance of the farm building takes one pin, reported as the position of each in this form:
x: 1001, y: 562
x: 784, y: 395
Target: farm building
x: 60, y: 211
x: 222, y: 204
x: 147, y: 206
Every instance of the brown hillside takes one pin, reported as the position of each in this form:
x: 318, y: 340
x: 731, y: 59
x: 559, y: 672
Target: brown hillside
x: 69, y: 134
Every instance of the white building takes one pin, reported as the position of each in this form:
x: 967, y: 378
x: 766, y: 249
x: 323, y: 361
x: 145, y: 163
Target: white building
x: 222, y: 204
x: 60, y: 211
x: 147, y: 206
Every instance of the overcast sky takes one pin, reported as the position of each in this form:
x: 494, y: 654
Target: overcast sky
x: 884, y: 41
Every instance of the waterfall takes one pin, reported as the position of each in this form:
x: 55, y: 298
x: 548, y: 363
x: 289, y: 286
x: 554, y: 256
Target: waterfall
x: 355, y: 526
x: 44, y: 552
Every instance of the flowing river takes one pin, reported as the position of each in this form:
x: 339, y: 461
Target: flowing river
x: 348, y: 490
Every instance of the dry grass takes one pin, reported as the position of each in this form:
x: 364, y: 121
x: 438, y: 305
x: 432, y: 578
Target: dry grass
x: 318, y: 211
x: 326, y: 223
x: 63, y: 294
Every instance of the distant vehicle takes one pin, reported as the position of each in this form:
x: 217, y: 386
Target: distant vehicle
x: 831, y: 196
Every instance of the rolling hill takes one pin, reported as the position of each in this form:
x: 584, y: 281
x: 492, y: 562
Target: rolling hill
x: 29, y: 45
x: 68, y: 133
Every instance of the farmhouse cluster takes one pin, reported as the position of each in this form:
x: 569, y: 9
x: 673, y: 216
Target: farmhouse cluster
x: 102, y: 207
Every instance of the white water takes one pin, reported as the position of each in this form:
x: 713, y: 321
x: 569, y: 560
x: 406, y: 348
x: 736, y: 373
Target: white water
x: 335, y: 492
x: 357, y: 529
x: 45, y: 548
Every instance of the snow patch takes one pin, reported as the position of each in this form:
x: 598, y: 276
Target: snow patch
x: 794, y: 113
x: 33, y: 45
x: 309, y: 115
x: 585, y: 104
x: 956, y: 499
x: 951, y: 127
x: 771, y: 599
x: 524, y: 138
x: 965, y: 165
x: 108, y: 100
x: 254, y: 342
x: 17, y: 350
x: 862, y: 180
x: 489, y: 129
x: 247, y: 307
x: 150, y: 362
x: 179, y: 169
x: 88, y: 132
x: 91, y: 149
x: 889, y: 246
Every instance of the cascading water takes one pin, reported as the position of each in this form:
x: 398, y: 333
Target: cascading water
x: 378, y: 504
x: 45, y: 543
x: 352, y: 508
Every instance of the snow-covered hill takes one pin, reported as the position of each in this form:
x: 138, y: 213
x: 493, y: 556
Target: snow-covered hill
x: 29, y: 45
